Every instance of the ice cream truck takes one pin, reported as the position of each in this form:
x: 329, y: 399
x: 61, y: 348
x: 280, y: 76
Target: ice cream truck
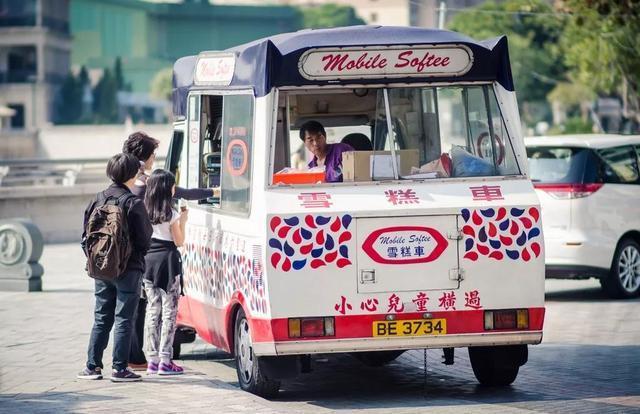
x: 426, y: 234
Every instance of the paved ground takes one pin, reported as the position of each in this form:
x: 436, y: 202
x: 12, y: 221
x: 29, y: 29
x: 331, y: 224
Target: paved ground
x: 589, y: 362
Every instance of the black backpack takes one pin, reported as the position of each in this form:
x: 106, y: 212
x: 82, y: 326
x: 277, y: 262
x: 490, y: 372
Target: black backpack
x: 106, y: 244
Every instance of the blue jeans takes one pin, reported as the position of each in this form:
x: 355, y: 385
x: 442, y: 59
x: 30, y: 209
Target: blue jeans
x: 114, y: 301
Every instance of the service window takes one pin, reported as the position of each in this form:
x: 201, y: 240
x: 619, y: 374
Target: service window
x: 220, y: 146
x: 237, y: 127
x: 413, y: 133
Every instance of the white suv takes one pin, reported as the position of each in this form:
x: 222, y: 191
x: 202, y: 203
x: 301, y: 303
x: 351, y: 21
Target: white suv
x: 589, y: 189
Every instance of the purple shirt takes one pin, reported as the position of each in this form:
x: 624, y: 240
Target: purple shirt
x: 332, y: 162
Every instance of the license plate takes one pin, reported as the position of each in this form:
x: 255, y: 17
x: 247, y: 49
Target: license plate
x: 411, y: 327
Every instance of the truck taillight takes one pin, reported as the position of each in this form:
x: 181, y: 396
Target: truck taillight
x: 506, y: 319
x: 568, y: 191
x: 311, y: 327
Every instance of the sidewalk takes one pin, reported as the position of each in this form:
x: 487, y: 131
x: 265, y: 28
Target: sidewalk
x: 589, y: 362
x: 43, y: 346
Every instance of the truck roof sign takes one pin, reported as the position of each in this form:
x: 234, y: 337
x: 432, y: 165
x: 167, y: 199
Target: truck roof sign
x: 385, y: 62
x: 214, y: 69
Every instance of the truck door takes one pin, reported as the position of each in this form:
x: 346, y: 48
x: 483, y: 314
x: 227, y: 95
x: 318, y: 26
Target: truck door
x: 407, y: 253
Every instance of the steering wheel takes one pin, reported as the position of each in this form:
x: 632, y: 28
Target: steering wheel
x: 497, y: 140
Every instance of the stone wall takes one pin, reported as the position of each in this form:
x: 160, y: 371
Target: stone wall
x: 57, y: 211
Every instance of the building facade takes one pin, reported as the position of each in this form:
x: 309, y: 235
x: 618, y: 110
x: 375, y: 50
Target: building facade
x: 35, y: 49
x: 150, y: 36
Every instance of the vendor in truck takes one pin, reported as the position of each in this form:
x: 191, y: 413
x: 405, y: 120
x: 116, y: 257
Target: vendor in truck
x: 313, y: 135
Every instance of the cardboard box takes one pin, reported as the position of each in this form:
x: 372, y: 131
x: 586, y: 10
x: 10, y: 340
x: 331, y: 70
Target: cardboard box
x: 357, y: 165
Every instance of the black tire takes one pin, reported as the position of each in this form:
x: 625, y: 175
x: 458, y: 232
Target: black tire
x: 377, y: 358
x: 623, y: 281
x: 495, y: 366
x: 177, y: 347
x: 250, y: 375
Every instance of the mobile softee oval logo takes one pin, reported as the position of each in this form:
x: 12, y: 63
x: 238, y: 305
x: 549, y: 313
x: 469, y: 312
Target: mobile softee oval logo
x: 405, y: 245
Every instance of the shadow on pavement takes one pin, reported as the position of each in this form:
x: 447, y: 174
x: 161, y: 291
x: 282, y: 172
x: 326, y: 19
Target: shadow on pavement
x: 96, y: 400
x: 210, y: 353
x: 556, y: 379
x: 579, y: 295
x: 69, y: 290
x: 51, y: 401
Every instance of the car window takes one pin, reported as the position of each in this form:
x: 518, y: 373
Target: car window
x: 557, y: 164
x: 620, y: 165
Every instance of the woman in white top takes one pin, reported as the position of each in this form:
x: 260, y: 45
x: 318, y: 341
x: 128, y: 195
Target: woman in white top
x: 163, y: 273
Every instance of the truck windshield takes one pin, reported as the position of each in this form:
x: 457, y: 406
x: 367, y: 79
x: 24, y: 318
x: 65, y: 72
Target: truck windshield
x: 391, y: 134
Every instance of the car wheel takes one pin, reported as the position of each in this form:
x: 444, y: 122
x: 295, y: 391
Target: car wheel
x: 250, y: 375
x: 378, y: 358
x: 624, y: 277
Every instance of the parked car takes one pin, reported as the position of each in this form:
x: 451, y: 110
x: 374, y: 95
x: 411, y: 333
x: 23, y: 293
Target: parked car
x: 589, y: 190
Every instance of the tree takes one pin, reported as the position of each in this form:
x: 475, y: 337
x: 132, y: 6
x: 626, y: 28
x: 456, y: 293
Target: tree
x: 105, y: 99
x: 329, y: 15
x: 161, y: 84
x: 83, y: 76
x: 119, y: 77
x: 87, y: 100
x: 69, y: 102
x: 533, y: 30
x: 600, y: 45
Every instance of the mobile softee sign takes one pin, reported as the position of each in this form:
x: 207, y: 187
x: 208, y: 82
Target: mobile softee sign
x: 385, y: 62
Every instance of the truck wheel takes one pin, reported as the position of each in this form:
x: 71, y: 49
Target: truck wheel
x: 377, y: 359
x: 250, y: 375
x: 623, y: 280
x: 176, y: 349
x: 497, y: 365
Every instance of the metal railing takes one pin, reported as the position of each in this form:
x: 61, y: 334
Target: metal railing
x: 54, y: 172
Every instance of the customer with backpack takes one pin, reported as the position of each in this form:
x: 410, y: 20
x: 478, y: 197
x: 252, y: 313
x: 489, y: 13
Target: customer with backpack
x: 163, y: 273
x: 117, y: 234
x: 144, y: 147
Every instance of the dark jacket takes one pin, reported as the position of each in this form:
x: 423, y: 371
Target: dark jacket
x: 140, y: 229
x: 163, y: 263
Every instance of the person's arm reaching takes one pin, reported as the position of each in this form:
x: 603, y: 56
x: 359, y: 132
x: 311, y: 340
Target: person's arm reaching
x: 196, y: 193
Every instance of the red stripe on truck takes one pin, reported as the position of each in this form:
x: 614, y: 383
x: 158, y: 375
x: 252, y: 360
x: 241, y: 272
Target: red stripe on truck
x: 215, y: 325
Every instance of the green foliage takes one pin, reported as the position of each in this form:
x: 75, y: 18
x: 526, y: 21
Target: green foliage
x: 69, y: 103
x: 105, y: 94
x: 119, y: 77
x: 105, y: 102
x: 329, y: 15
x: 570, y: 94
x: 601, y: 47
x: 574, y: 125
x: 161, y: 84
x: 533, y: 31
x: 83, y: 76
